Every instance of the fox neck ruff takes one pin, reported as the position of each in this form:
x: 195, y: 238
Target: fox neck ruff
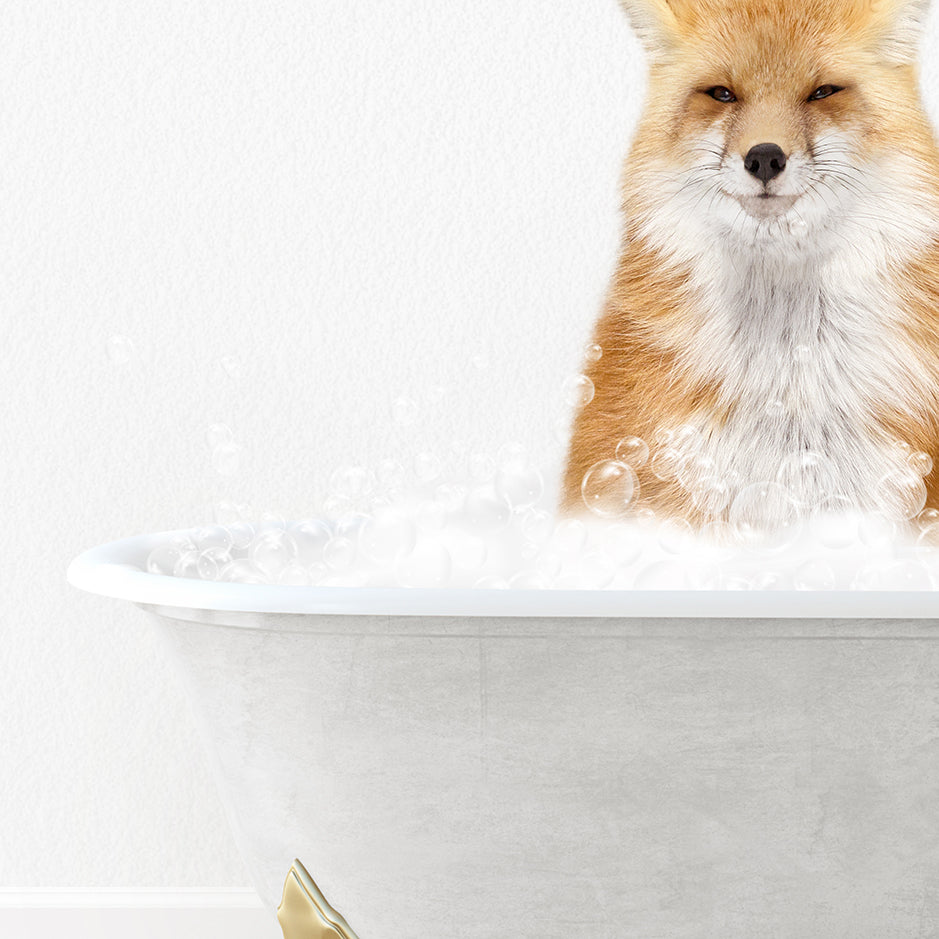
x: 805, y: 331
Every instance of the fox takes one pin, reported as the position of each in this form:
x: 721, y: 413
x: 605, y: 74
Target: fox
x: 772, y: 323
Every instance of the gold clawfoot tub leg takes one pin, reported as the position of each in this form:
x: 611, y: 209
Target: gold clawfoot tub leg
x: 304, y: 912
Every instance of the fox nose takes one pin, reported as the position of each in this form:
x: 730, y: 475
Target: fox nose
x: 765, y: 161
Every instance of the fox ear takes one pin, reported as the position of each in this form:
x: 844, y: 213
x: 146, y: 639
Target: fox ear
x: 654, y: 22
x: 905, y: 20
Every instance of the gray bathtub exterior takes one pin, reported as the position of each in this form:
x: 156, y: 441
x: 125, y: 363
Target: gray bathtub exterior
x: 450, y: 777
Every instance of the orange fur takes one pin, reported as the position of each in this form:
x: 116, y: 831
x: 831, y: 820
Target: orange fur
x: 772, y: 55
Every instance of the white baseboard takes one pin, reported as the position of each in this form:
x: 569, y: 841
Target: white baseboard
x: 135, y: 914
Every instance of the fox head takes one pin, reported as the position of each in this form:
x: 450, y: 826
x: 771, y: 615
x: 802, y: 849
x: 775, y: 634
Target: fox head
x: 769, y: 121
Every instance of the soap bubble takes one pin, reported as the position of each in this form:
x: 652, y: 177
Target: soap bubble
x: 569, y: 536
x: 241, y: 533
x: 734, y: 480
x: 310, y: 538
x: 877, y: 531
x: 609, y: 489
x: 834, y: 522
x: 404, y: 412
x: 337, y: 506
x: 350, y: 525
x: 226, y: 458
x: 519, y: 483
x: 694, y: 468
x: 339, y: 553
x: 355, y: 483
x: 272, y: 551
x: 218, y: 435
x: 764, y: 515
x: 928, y: 517
x: 667, y: 463
x: 272, y: 521
x: 920, y: 463
x: 578, y: 391
x: 771, y: 580
x: 486, y: 510
x: 389, y: 535
x: 928, y: 538
x: 188, y: 565
x: 710, y: 495
x: 593, y: 353
x: 736, y: 582
x: 482, y: 467
x: 537, y: 525
x: 662, y: 437
x: 164, y: 558
x: 210, y: 562
x: 317, y: 572
x: 213, y: 536
x: 390, y: 476
x: 901, y: 494
x: 120, y: 349
x: 497, y: 533
x: 705, y: 576
x: 687, y: 438
x: 798, y: 226
x: 242, y: 571
x: 428, y: 565
x: 815, y: 574
x: 294, y: 576
x: 807, y: 475
x: 718, y: 533
x: 633, y: 451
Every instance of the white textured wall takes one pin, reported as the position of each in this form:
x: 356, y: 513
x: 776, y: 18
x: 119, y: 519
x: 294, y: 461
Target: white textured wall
x: 351, y: 198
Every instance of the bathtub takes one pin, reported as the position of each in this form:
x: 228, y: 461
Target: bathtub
x: 546, y: 765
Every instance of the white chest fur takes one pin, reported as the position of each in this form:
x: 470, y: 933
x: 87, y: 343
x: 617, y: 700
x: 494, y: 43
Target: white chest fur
x: 808, y: 356
x: 798, y: 322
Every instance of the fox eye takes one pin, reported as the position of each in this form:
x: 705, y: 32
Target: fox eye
x: 720, y: 93
x: 824, y: 91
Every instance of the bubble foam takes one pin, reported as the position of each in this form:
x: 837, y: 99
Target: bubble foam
x: 490, y: 524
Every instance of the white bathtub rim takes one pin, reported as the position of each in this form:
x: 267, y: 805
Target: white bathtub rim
x: 116, y: 570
